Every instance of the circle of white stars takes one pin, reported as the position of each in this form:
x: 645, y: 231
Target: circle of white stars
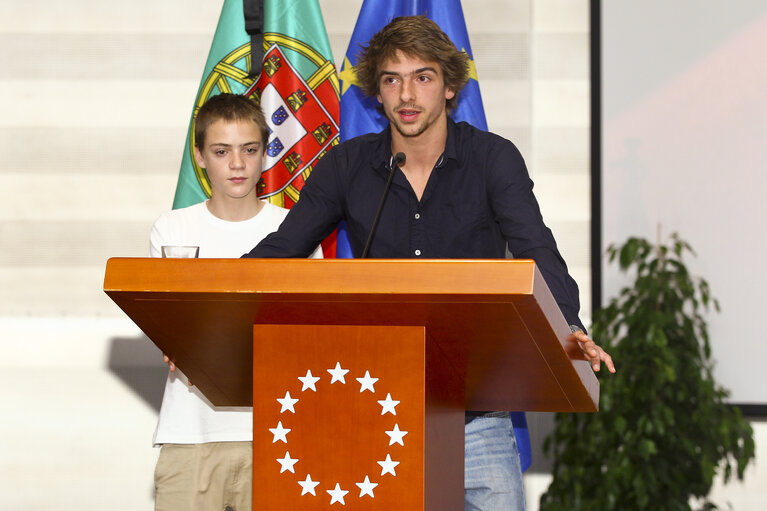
x: 287, y: 463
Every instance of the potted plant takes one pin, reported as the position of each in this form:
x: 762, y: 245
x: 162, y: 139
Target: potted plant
x: 664, y: 428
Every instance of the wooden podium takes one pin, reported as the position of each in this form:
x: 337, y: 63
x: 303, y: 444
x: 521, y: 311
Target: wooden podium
x: 359, y: 371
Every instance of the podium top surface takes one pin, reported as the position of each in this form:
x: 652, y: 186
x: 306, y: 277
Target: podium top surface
x: 445, y: 277
x: 495, y: 320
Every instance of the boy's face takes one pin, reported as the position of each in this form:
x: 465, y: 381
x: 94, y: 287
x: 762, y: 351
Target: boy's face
x: 233, y: 157
x: 413, y: 93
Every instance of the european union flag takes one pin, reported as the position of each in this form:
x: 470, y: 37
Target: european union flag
x: 359, y: 114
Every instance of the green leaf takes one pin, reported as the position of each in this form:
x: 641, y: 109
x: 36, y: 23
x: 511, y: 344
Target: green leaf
x: 664, y: 429
x: 647, y: 448
x: 620, y: 425
x: 628, y: 253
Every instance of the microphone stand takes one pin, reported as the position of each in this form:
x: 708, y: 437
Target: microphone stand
x: 398, y: 160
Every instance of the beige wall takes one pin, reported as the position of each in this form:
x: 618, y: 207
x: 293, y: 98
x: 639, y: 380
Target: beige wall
x: 94, y: 103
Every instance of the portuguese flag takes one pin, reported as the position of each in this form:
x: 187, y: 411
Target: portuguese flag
x: 295, y: 83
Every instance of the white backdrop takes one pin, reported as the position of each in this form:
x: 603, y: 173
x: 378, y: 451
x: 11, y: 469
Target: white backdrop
x: 684, y: 129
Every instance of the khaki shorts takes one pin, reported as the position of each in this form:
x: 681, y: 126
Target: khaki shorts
x: 206, y: 477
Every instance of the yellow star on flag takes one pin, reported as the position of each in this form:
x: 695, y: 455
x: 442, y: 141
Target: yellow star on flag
x: 348, y: 76
x: 472, y: 67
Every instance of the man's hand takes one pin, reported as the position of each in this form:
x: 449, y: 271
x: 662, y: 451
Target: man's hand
x: 591, y: 351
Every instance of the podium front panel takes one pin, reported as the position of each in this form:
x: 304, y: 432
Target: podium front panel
x: 345, y: 415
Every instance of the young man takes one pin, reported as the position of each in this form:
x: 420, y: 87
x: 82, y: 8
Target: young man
x: 206, y: 456
x: 461, y: 193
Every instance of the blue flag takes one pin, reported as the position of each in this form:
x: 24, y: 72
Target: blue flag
x: 359, y: 114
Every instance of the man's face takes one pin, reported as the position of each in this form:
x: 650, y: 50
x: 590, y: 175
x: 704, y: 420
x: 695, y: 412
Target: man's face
x: 233, y: 157
x: 413, y: 93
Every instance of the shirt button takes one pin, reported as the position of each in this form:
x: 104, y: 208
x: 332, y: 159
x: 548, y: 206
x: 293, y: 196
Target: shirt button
x: 417, y: 216
x: 417, y: 252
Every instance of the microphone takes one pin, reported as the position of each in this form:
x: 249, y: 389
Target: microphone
x: 398, y: 160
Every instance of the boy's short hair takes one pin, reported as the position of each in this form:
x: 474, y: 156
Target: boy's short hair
x: 416, y: 36
x: 231, y: 108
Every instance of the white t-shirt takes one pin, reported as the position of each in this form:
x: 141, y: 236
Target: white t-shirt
x: 186, y: 416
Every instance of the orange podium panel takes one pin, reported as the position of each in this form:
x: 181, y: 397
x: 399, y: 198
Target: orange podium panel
x: 350, y: 423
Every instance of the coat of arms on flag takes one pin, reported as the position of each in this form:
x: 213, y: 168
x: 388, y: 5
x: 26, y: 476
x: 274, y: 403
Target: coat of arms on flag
x: 301, y: 117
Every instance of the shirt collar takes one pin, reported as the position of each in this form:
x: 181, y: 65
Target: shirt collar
x: 384, y: 155
x: 450, y: 148
x: 383, y: 151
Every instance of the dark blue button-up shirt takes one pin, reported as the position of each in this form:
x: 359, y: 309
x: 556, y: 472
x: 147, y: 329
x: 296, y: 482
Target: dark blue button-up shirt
x: 478, y: 199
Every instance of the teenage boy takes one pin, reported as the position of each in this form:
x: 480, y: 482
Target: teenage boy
x: 205, y: 459
x: 461, y: 193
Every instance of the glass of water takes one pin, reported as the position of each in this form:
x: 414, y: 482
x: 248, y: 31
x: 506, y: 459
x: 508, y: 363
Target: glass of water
x: 185, y: 252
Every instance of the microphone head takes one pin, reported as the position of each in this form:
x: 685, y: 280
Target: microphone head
x: 399, y: 159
